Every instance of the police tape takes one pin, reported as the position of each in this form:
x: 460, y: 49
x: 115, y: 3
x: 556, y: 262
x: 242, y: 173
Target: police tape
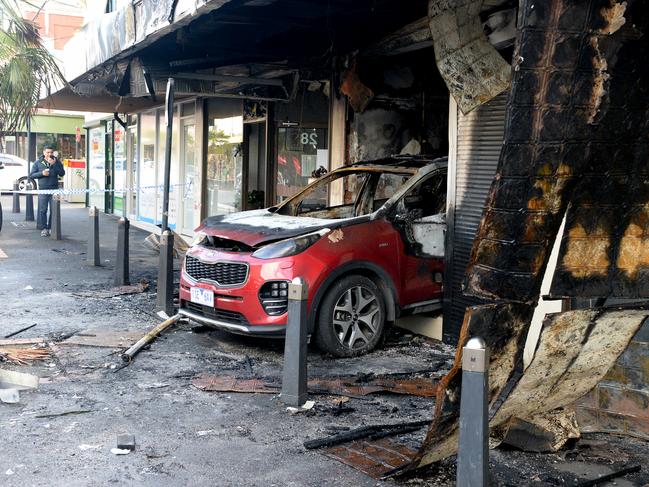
x: 136, y: 189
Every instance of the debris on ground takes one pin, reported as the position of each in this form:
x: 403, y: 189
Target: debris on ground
x: 347, y: 386
x: 180, y: 246
x: 9, y: 396
x: 148, y: 338
x: 140, y: 287
x: 611, y: 476
x: 307, y: 406
x: 120, y: 451
x: 372, y: 432
x: 14, y: 333
x: 64, y: 413
x: 126, y: 442
x: 22, y: 356
x: 103, y: 338
x: 22, y: 341
x: 373, y: 458
x: 10, y: 379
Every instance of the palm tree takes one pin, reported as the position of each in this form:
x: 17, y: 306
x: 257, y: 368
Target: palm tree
x: 27, y: 69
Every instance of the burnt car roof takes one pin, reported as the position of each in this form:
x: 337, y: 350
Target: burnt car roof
x: 411, y: 161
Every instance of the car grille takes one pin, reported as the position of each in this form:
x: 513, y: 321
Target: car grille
x: 217, y: 314
x: 222, y: 273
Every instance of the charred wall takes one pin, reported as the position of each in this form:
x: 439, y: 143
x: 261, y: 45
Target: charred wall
x: 408, y: 105
x: 573, y: 141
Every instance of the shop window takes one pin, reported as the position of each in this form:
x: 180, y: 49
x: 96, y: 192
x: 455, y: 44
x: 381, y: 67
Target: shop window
x: 300, y: 151
x: 224, y: 163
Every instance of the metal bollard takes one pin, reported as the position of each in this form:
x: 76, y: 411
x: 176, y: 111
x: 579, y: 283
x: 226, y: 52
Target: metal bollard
x: 55, y: 232
x: 121, y: 264
x: 294, y: 378
x: 93, y: 236
x: 164, y: 300
x: 473, y: 451
x: 29, y: 207
x: 16, y: 206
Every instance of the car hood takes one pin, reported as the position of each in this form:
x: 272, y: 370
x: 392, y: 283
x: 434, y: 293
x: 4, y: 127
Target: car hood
x: 257, y: 227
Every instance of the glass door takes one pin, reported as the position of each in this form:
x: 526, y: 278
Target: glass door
x: 97, y: 167
x: 189, y: 192
x: 131, y: 171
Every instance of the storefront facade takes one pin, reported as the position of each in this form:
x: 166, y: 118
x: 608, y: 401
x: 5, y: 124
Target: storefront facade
x: 63, y: 131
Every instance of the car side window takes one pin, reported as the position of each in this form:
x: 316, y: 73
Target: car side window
x: 425, y: 199
x: 387, y: 185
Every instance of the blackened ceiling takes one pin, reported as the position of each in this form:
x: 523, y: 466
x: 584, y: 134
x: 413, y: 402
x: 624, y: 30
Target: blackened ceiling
x: 304, y: 33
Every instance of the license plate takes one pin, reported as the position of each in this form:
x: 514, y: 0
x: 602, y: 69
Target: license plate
x: 202, y: 296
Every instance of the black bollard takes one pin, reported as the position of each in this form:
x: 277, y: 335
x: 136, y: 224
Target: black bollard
x: 29, y: 207
x: 93, y: 236
x: 294, y: 376
x: 55, y: 232
x: 121, y: 264
x: 164, y: 300
x: 16, y: 207
x: 473, y: 451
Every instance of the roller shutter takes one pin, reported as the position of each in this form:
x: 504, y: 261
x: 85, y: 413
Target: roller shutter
x: 475, y: 143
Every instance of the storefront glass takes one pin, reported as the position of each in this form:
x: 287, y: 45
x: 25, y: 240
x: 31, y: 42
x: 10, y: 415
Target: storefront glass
x: 97, y: 167
x: 147, y: 170
x: 190, y: 191
x: 300, y: 151
x: 120, y: 170
x: 224, y: 156
x: 66, y: 145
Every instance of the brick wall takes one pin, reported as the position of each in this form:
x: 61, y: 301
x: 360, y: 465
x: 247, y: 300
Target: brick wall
x: 620, y: 402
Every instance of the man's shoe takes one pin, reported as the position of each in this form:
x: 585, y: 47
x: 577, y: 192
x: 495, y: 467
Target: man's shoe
x: 44, y: 232
x: 49, y: 232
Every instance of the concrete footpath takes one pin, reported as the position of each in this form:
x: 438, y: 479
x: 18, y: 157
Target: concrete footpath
x: 62, y: 433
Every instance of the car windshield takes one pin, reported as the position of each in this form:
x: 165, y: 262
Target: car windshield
x: 348, y: 193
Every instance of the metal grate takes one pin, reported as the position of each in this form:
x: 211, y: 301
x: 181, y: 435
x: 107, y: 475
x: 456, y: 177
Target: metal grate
x: 222, y: 273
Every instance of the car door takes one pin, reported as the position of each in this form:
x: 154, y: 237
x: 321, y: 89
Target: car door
x: 419, y: 218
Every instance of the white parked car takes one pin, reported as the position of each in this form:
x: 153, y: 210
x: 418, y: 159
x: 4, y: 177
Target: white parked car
x: 12, y: 169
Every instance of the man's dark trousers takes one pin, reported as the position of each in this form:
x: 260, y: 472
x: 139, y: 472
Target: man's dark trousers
x: 44, y: 220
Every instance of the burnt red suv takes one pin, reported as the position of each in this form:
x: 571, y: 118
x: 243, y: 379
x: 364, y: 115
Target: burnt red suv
x: 367, y: 239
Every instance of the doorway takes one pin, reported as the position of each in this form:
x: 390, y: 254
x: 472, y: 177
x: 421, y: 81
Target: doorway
x: 255, y: 170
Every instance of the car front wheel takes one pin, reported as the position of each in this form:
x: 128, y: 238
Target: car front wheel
x: 351, y: 318
x: 26, y: 184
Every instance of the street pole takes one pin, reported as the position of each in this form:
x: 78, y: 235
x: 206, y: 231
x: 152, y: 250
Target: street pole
x: 473, y: 451
x: 169, y: 118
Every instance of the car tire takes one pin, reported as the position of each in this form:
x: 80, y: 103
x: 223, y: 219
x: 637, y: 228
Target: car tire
x: 351, y: 318
x: 26, y: 184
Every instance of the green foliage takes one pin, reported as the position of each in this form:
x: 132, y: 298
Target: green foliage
x: 26, y: 68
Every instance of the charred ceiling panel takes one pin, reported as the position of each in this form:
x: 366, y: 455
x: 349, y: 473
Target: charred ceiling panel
x: 473, y: 70
x: 579, y: 89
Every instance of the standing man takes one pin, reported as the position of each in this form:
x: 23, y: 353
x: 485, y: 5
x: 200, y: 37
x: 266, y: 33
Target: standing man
x: 47, y: 169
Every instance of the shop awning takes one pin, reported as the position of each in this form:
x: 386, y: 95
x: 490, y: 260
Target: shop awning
x: 240, y: 48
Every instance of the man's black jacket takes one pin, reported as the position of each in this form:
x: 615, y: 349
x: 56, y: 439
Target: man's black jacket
x: 52, y: 180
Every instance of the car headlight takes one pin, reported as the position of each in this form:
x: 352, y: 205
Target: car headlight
x: 290, y: 246
x: 199, y: 238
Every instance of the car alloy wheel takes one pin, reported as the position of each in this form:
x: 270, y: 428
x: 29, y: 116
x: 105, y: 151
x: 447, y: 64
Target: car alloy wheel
x: 356, y: 316
x: 26, y: 184
x: 351, y: 317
